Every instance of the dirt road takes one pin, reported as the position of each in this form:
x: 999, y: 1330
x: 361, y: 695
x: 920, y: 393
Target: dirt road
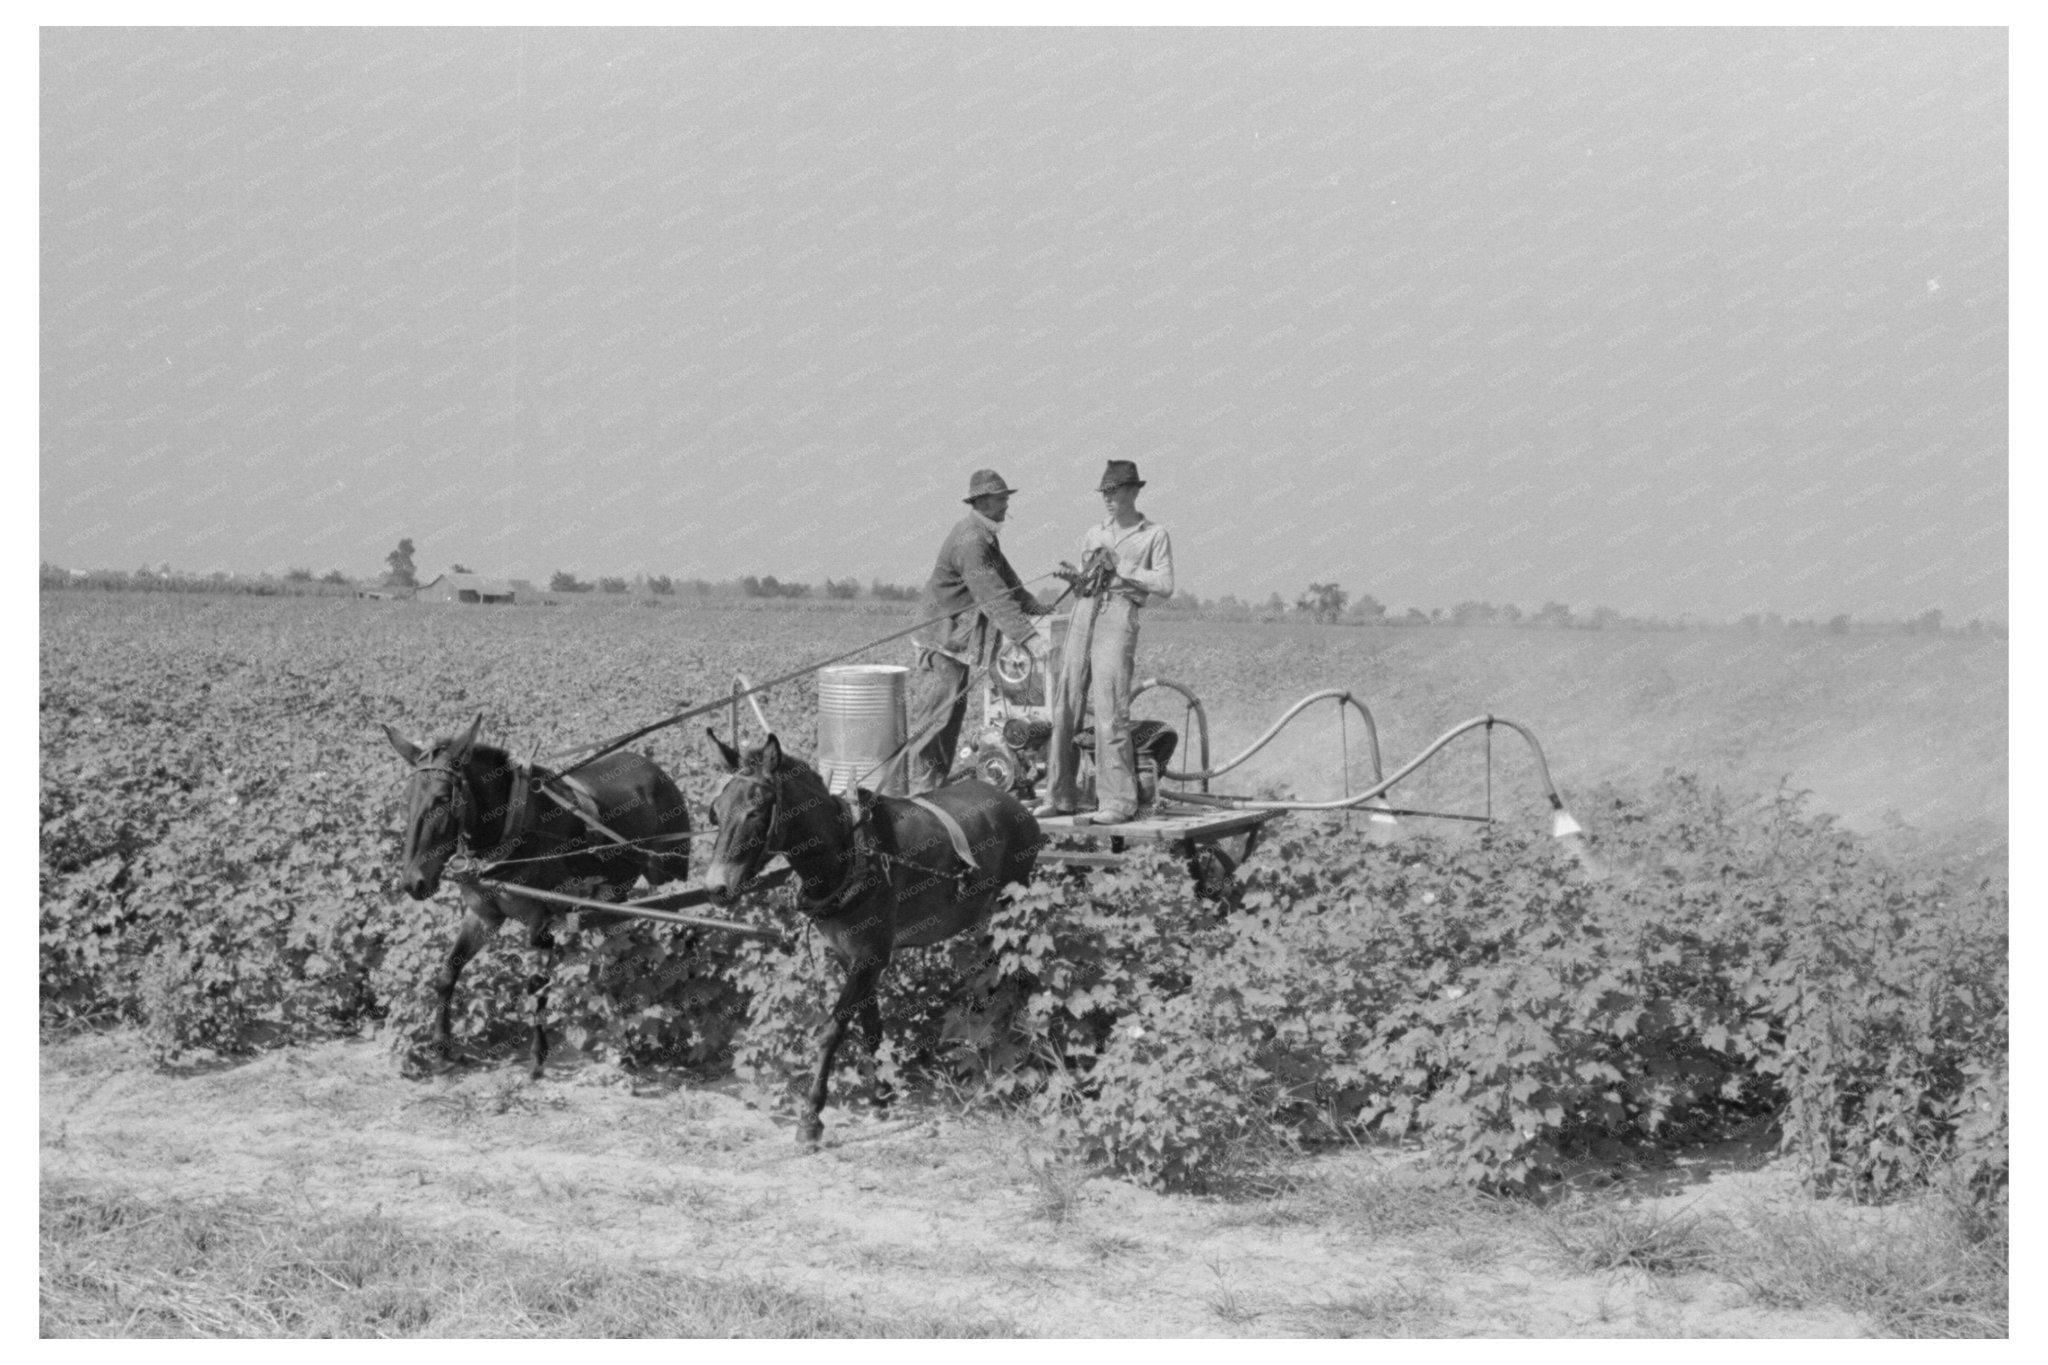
x: 926, y: 1212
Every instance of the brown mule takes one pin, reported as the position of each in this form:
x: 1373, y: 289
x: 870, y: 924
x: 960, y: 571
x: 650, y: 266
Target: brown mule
x: 544, y: 830
x: 878, y: 873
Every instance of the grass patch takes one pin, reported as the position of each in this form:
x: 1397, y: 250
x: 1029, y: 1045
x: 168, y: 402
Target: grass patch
x: 1936, y: 1269
x: 120, y: 1265
x: 1227, y: 1303
x: 1398, y: 1310
x: 1055, y: 1190
x: 1610, y: 1235
x: 1375, y: 1203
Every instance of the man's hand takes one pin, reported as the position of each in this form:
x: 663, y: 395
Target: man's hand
x: 1098, y: 572
x: 1039, y: 643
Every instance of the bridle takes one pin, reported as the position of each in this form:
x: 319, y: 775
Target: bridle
x: 459, y: 799
x: 827, y: 903
x: 774, y: 787
x: 461, y: 803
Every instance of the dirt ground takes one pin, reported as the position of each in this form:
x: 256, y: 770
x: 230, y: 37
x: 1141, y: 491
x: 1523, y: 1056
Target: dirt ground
x: 923, y: 1211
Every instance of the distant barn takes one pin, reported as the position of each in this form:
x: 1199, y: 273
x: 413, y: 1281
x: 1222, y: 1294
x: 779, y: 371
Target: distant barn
x: 466, y: 587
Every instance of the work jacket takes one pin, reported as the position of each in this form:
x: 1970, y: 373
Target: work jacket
x: 971, y: 585
x: 1144, y: 558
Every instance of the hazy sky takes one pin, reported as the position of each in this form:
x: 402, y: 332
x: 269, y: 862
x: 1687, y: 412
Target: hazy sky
x: 1664, y: 320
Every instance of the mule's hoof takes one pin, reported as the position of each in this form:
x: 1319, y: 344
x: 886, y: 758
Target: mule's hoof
x: 810, y: 1132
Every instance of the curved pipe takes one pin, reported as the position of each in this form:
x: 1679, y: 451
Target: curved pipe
x: 1563, y: 823
x: 1201, y: 727
x: 1202, y: 775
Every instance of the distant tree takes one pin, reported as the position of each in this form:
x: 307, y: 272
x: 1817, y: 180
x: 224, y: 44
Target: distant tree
x: 400, y: 560
x: 890, y: 592
x: 1323, y: 602
x: 661, y: 585
x: 564, y: 581
x: 298, y: 575
x: 844, y: 591
x: 1838, y: 624
x: 1926, y: 623
x: 1474, y: 614
x: 605, y: 584
x: 1511, y: 614
x: 1414, y: 617
x: 334, y: 576
x: 1554, y: 614
x: 1604, y: 617
x: 1229, y: 608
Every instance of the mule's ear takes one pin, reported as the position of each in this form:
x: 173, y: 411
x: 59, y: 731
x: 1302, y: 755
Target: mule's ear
x: 771, y: 754
x: 407, y: 750
x: 726, y: 753
x: 468, y: 741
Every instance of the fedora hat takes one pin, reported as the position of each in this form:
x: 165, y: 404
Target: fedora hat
x: 1118, y: 473
x: 986, y: 483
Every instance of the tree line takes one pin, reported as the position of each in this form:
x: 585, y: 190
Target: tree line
x: 1322, y: 604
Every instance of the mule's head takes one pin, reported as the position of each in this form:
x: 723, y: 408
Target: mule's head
x: 744, y: 811
x: 434, y: 806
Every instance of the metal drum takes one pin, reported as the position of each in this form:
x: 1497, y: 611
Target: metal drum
x: 860, y: 723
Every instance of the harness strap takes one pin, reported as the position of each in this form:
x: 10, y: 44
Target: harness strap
x: 519, y: 807
x: 584, y: 807
x: 856, y: 882
x: 953, y: 832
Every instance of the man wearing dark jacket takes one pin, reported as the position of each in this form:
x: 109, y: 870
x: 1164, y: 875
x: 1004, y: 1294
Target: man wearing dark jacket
x: 971, y: 586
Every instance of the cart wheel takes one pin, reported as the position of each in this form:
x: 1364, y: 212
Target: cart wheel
x: 1012, y: 664
x: 1215, y: 875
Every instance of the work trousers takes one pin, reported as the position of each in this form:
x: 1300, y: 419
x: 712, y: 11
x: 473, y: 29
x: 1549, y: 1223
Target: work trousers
x: 1096, y: 664
x: 938, y: 702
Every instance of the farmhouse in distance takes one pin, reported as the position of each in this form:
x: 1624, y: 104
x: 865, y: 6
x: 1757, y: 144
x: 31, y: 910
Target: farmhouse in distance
x: 470, y: 588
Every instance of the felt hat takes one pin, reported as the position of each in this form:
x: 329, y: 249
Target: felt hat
x: 986, y: 483
x: 1118, y: 473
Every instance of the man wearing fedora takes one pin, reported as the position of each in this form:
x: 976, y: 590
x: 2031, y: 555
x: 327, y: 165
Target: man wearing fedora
x: 971, y: 586
x: 1126, y: 561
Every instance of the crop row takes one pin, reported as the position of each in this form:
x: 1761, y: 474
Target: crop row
x: 218, y: 823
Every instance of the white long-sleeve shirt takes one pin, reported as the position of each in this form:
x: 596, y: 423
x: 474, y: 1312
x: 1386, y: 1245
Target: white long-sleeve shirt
x: 1144, y: 556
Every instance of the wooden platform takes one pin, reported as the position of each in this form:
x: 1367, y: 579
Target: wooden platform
x: 1165, y: 823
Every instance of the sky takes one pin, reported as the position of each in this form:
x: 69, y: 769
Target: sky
x: 1673, y: 321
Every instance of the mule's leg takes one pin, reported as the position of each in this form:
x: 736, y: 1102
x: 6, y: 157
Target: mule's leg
x: 478, y: 924
x: 543, y: 944
x: 871, y: 1031
x: 856, y: 998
